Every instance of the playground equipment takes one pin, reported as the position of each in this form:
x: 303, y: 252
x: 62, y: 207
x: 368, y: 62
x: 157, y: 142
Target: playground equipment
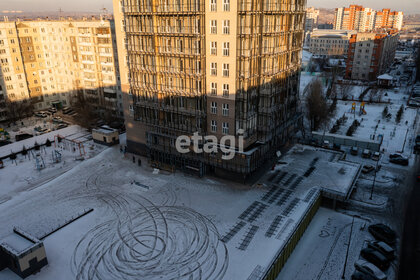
x: 353, y: 107
x: 4, y: 135
x: 362, y: 110
x: 39, y: 160
x: 56, y: 156
x: 71, y: 143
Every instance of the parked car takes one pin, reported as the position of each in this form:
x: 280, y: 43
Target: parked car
x: 358, y: 275
x: 370, y: 269
x: 22, y: 136
x: 62, y: 125
x: 354, y: 151
x: 43, y: 131
x: 41, y: 114
x: 366, y: 153
x: 375, y: 257
x: 399, y: 160
x: 367, y: 169
x: 52, y: 110
x: 376, y: 156
x: 57, y: 119
x: 392, y: 156
x: 383, y: 233
x: 67, y: 110
x: 383, y: 248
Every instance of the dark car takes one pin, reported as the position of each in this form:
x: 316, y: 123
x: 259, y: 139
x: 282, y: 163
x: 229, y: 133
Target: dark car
x: 375, y: 257
x: 22, y: 136
x: 383, y: 233
x: 383, y: 248
x: 358, y: 275
x: 354, y: 151
x: 393, y: 156
x: 399, y: 160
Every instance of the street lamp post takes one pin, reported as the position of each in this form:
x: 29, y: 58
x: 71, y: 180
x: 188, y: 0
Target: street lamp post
x: 374, y: 180
x: 348, y: 247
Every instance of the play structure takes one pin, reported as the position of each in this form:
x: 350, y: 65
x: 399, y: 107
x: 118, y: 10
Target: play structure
x: 69, y: 143
x: 362, y: 110
x: 4, y: 135
x: 56, y: 156
x: 39, y: 160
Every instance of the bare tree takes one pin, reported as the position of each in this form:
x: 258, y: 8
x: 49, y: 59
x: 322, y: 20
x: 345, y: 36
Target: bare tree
x: 345, y: 91
x: 86, y: 113
x: 316, y: 105
x: 373, y: 93
x: 17, y: 110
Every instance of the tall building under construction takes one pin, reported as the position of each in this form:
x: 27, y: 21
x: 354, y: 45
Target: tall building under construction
x: 216, y: 67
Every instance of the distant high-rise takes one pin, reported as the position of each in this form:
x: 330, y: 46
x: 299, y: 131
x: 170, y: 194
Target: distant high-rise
x: 365, y: 19
x: 49, y: 62
x: 216, y: 67
x: 311, y: 20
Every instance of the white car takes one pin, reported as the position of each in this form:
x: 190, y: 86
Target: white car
x: 368, y: 268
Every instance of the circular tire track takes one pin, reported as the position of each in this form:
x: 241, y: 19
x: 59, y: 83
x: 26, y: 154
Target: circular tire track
x: 148, y: 241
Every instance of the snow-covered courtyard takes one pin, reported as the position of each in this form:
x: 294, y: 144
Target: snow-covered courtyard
x: 152, y: 225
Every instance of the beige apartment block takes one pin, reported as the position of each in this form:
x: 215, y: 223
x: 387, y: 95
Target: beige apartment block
x: 64, y: 58
x: 216, y: 67
x: 13, y: 86
x: 330, y: 42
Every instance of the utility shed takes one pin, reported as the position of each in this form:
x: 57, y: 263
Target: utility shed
x: 105, y: 135
x: 22, y: 253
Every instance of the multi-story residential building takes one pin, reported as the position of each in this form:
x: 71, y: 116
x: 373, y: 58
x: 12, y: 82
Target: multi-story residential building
x: 311, y: 20
x: 330, y: 42
x: 61, y: 59
x: 370, y: 54
x: 365, y: 19
x: 213, y: 67
x: 13, y: 86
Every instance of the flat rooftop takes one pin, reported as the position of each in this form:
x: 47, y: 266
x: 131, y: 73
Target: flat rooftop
x: 17, y: 243
x: 319, y: 167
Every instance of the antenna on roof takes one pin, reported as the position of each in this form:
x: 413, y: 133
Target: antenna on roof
x: 60, y: 11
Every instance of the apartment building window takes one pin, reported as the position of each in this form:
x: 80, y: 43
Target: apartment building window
x: 226, y: 26
x: 225, y: 128
x: 225, y: 70
x: 226, y: 49
x: 226, y: 5
x: 213, y: 89
x: 213, y: 69
x: 213, y: 107
x: 225, y: 90
x: 213, y: 27
x: 213, y: 5
x: 213, y: 126
x: 225, y: 109
x: 213, y: 48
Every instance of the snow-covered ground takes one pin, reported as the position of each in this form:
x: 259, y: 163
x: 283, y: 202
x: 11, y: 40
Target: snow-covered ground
x: 320, y: 254
x: 153, y: 225
x: 73, y: 132
x: 373, y: 125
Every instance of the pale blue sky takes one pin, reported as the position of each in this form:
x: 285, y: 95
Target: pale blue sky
x: 407, y: 6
